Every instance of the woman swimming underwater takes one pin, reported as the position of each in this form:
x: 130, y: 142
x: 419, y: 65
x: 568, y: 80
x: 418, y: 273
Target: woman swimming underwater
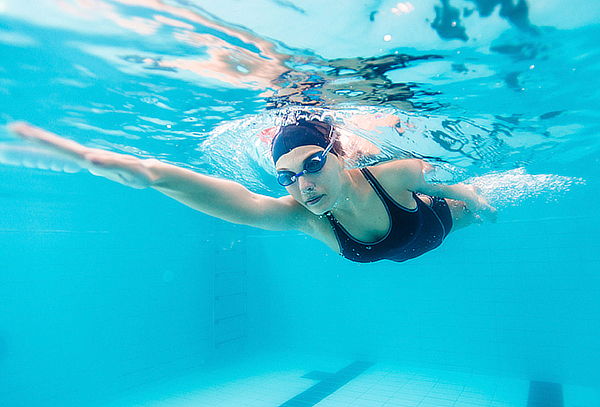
x: 387, y: 211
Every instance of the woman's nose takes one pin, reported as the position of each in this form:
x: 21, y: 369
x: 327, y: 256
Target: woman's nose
x: 305, y: 184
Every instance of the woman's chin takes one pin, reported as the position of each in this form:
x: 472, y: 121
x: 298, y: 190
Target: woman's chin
x: 321, y: 208
x: 319, y: 212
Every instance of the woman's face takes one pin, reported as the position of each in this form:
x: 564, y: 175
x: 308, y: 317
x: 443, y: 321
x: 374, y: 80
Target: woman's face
x: 318, y: 191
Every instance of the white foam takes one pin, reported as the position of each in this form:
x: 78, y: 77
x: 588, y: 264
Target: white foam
x: 509, y: 188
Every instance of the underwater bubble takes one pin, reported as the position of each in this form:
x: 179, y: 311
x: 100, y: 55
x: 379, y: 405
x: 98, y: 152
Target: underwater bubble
x: 511, y: 187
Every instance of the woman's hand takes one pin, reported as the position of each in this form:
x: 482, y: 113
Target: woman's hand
x: 124, y: 169
x: 213, y: 196
x: 477, y: 204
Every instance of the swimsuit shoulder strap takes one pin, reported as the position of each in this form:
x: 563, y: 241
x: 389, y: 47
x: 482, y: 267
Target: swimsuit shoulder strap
x: 333, y: 221
x: 340, y: 234
x: 388, y: 200
x: 377, y: 186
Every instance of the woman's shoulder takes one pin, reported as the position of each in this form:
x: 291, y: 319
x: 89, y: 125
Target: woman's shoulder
x: 396, y: 173
x: 316, y: 226
x: 396, y: 178
x: 301, y: 218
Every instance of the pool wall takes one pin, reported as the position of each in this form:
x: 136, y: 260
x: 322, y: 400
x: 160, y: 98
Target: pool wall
x: 102, y: 288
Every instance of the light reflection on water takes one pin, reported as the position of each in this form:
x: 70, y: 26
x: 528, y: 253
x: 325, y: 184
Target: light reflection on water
x: 485, y: 88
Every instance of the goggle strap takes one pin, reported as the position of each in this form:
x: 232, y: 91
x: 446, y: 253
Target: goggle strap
x: 331, y: 141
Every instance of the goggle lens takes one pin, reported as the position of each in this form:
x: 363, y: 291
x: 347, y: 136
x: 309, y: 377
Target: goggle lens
x: 286, y: 178
x: 312, y: 164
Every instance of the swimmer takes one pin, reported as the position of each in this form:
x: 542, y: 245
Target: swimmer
x: 386, y: 211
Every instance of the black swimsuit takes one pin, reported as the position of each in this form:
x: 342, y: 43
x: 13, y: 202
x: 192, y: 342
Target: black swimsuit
x: 412, y: 232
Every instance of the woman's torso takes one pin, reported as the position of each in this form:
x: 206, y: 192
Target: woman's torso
x: 397, y: 225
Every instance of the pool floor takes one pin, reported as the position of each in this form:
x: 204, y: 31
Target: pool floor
x: 305, y: 381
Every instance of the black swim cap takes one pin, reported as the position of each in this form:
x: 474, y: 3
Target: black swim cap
x: 301, y: 133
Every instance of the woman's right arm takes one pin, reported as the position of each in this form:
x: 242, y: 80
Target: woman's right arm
x: 221, y: 198
x: 226, y: 199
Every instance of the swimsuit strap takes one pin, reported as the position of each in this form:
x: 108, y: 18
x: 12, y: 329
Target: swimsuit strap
x: 412, y: 231
x: 384, y: 195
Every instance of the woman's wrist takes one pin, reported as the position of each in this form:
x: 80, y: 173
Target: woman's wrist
x: 155, y: 170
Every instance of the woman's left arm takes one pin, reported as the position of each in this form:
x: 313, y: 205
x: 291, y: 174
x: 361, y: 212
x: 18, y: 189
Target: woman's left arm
x: 412, y: 173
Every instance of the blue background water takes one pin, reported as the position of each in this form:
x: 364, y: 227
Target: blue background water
x: 104, y: 289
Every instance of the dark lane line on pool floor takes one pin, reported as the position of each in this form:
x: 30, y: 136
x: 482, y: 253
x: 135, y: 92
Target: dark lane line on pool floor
x: 328, y: 384
x: 545, y: 394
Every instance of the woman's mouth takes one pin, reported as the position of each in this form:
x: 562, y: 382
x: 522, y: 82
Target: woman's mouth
x: 315, y: 200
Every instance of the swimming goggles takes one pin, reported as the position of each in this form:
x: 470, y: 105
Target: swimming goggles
x: 312, y: 164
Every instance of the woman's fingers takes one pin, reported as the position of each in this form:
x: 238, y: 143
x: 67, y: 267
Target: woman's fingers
x: 49, y: 140
x: 479, y: 205
x: 487, y: 211
x: 122, y: 168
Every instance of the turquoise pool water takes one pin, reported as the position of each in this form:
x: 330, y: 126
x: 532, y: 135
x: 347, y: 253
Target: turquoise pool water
x: 111, y: 296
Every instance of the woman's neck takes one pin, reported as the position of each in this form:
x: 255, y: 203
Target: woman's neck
x: 354, y: 196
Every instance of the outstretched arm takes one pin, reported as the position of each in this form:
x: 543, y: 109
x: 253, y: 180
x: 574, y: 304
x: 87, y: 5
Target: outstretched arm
x: 221, y: 198
x: 226, y: 199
